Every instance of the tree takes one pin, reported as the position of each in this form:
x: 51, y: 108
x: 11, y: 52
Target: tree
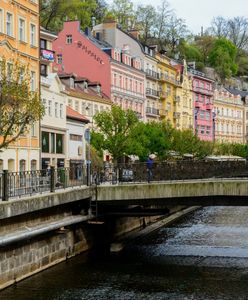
x: 55, y: 12
x: 152, y: 137
x: 114, y: 131
x: 146, y: 18
x: 123, y: 11
x: 19, y: 106
x: 222, y: 57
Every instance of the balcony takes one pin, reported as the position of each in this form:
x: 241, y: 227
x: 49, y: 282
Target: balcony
x: 152, y: 111
x: 198, y: 104
x: 47, y: 55
x: 152, y: 74
x: 202, y: 90
x: 163, y: 112
x: 209, y: 106
x: 167, y: 78
x: 176, y: 99
x: 176, y: 115
x: 152, y: 93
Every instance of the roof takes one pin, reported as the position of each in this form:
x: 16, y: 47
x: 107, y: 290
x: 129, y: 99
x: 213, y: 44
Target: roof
x: 72, y: 114
x: 237, y: 92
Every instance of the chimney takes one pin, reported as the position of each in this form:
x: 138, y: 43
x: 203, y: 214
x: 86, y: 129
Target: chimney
x: 135, y: 33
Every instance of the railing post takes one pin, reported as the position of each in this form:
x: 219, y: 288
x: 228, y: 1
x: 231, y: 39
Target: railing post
x: 5, y: 186
x: 52, y: 179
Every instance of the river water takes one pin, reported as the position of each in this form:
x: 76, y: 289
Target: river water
x: 204, y: 256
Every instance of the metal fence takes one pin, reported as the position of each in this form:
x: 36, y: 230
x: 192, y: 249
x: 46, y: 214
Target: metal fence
x: 171, y: 170
x: 17, y: 184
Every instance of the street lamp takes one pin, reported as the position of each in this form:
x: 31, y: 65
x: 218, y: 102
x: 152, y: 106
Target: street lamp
x: 87, y: 137
x: 196, y: 110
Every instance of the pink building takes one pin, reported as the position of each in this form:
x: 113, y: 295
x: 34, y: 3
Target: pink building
x: 127, y: 81
x: 77, y: 53
x: 204, y: 116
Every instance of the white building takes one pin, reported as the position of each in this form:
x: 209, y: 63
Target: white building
x: 53, y: 124
x: 76, y: 143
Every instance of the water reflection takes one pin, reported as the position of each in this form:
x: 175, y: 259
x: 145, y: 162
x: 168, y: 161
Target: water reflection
x: 205, y: 256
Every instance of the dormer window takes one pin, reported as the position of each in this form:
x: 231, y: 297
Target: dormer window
x: 72, y: 83
x: 85, y: 85
x: 98, y: 88
x: 69, y: 39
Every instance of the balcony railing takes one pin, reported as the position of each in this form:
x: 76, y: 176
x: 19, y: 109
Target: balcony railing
x: 152, y: 111
x: 171, y: 79
x: 176, y: 115
x: 152, y: 74
x: 151, y: 92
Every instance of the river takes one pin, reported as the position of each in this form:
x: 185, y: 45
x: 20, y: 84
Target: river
x: 204, y: 256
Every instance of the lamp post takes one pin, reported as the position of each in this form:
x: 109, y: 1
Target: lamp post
x: 196, y: 110
x: 87, y: 137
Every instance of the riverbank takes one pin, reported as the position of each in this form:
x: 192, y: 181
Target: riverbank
x: 126, y: 239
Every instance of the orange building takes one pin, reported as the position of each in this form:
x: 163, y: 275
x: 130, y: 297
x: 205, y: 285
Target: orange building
x: 19, y: 40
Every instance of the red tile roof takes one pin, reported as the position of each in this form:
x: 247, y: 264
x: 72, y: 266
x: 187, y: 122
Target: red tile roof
x: 72, y: 114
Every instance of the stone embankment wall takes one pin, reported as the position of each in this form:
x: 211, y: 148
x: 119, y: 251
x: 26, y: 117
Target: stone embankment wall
x: 23, y: 257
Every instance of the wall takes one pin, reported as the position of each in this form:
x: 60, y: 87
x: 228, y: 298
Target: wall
x: 82, y: 56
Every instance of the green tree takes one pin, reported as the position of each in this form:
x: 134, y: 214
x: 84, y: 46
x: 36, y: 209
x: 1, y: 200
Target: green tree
x: 146, y: 18
x: 185, y: 142
x: 114, y: 129
x: 55, y: 12
x: 222, y: 57
x: 123, y: 11
x: 19, y: 106
x: 152, y: 137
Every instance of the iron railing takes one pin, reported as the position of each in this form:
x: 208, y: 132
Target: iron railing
x: 17, y: 184
x: 172, y: 170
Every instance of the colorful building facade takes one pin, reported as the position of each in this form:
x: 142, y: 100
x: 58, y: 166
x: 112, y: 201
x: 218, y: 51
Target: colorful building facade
x: 129, y: 44
x: 76, y: 53
x: 19, y: 40
x: 229, y: 111
x: 204, y: 116
x: 170, y: 101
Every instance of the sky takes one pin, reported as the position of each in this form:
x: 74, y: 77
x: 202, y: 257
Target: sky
x: 199, y: 13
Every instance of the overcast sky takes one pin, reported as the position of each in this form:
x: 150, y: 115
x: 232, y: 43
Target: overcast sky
x: 199, y: 13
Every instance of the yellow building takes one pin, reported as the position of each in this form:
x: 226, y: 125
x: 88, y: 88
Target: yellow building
x: 19, y: 33
x: 168, y: 85
x: 229, y: 117
x: 184, y: 96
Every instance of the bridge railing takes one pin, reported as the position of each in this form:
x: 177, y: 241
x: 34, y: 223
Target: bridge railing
x: 171, y: 170
x: 17, y: 184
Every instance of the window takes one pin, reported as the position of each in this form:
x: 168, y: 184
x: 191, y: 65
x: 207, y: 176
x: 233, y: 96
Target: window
x: 76, y: 106
x: 32, y: 34
x: 33, y: 165
x: 59, y: 59
x: 9, y: 71
x: 83, y: 108
x: 21, y: 30
x: 43, y: 70
x: 76, y: 137
x: 202, y: 114
x: 9, y: 24
x: 33, y: 129
x: 33, y: 83
x: 208, y: 131
x: 59, y: 143
x: 56, y: 109
x: 202, y: 128
x: 52, y: 135
x: 44, y: 104
x: 70, y: 102
x: 61, y: 111
x: 43, y: 44
x: 45, y: 141
x: 50, y: 108
x: 69, y: 39
x: 1, y: 20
